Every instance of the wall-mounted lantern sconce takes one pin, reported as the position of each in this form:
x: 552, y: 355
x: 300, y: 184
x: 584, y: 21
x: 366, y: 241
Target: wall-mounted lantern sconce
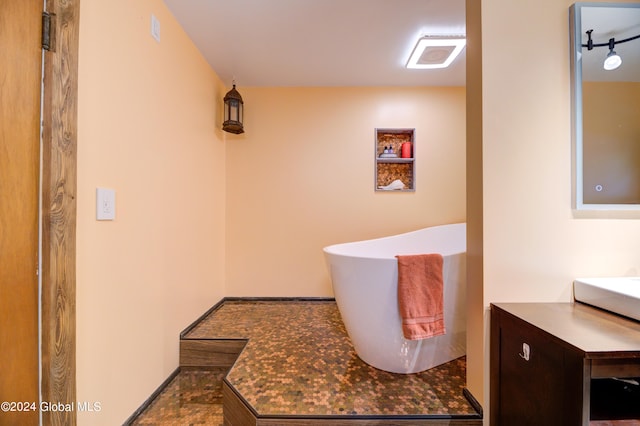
x: 233, y: 106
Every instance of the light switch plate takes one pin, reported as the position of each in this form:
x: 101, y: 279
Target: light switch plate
x: 105, y: 204
x: 155, y: 28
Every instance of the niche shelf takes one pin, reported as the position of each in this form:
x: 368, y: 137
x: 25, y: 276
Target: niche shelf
x: 390, y: 164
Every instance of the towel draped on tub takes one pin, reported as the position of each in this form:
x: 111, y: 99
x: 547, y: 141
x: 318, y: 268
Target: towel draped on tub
x: 420, y: 295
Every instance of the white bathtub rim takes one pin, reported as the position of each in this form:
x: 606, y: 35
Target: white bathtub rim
x: 332, y: 249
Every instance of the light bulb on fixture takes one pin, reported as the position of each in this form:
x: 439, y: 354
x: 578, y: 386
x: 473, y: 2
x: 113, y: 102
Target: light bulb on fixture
x: 613, y: 60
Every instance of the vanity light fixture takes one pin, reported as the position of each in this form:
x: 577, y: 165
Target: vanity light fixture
x: 613, y: 60
x: 436, y: 51
x: 233, y: 113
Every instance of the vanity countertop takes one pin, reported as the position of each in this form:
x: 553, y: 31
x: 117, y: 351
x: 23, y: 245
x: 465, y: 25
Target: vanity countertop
x: 595, y: 332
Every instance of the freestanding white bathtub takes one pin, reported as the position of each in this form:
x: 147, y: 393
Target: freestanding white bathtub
x: 364, y: 276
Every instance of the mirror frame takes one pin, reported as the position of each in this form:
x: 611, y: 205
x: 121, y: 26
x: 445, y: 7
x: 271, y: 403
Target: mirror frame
x: 575, y: 37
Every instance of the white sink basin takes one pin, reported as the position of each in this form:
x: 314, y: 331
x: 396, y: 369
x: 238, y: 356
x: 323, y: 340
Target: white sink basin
x: 620, y: 295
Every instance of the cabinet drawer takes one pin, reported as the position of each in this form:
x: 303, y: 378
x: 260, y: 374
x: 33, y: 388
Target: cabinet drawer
x: 623, y: 367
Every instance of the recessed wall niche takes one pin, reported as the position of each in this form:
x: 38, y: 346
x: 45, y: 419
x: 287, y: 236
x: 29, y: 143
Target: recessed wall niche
x: 394, y: 160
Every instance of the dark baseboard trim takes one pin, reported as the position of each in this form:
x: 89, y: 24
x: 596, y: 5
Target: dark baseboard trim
x: 473, y: 401
x: 279, y: 299
x: 153, y: 396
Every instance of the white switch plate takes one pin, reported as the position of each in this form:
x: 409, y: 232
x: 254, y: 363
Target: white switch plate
x: 105, y: 204
x: 155, y: 28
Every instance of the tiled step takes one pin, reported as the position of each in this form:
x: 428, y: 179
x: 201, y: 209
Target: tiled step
x: 192, y: 397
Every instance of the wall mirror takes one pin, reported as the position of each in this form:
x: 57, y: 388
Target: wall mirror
x: 605, y: 91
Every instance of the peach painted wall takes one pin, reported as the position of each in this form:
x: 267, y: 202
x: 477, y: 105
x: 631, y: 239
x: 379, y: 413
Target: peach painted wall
x: 534, y: 245
x: 148, y: 128
x: 302, y: 178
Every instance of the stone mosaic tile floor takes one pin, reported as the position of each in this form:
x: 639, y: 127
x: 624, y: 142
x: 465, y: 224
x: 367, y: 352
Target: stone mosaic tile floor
x: 300, y: 361
x: 193, y: 397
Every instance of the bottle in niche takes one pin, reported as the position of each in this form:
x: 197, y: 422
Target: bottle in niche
x: 405, y: 150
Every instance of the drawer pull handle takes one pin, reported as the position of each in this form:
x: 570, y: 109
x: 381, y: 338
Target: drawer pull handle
x: 526, y: 352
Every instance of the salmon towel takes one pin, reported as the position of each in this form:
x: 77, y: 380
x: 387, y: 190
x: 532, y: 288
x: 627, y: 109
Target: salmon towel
x: 420, y: 295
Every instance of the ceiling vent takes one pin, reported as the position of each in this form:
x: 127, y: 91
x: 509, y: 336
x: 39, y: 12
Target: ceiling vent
x: 435, y: 52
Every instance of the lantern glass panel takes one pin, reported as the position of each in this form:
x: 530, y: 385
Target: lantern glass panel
x: 233, y: 109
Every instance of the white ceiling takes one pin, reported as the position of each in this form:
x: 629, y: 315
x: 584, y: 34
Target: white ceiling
x: 321, y: 42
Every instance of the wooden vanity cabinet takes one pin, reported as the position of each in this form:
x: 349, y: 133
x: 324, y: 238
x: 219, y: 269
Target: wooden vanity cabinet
x: 545, y: 356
